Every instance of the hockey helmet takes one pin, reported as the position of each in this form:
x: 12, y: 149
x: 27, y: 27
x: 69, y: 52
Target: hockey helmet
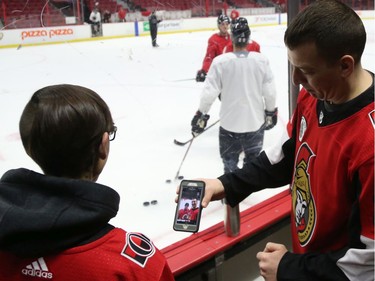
x: 223, y: 18
x: 240, y: 31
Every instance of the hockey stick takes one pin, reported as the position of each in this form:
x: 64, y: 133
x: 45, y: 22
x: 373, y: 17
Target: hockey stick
x: 186, y: 79
x: 190, y: 140
x: 180, y: 80
x: 183, y: 159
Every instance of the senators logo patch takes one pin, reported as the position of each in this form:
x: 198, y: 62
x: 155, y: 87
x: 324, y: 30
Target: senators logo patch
x: 304, y: 209
x: 138, y: 248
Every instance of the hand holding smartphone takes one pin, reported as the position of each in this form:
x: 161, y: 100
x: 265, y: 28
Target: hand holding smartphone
x: 189, y: 209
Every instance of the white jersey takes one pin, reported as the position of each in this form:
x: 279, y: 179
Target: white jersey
x: 246, y: 86
x: 95, y: 17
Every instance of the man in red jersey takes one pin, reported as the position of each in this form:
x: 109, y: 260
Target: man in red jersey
x: 216, y: 44
x: 121, y: 14
x: 194, y: 211
x: 328, y: 159
x: 54, y: 226
x: 184, y: 214
x: 234, y: 14
x: 245, y: 85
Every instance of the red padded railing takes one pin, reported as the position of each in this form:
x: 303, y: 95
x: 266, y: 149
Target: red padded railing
x: 197, y: 248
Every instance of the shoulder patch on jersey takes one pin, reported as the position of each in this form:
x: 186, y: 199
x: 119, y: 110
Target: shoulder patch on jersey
x: 302, y: 128
x: 371, y: 115
x: 138, y: 248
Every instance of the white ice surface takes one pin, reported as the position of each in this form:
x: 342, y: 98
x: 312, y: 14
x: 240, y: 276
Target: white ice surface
x: 150, y: 107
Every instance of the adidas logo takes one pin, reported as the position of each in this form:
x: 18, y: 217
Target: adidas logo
x: 38, y: 268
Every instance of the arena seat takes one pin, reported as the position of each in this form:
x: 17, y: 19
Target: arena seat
x: 28, y: 14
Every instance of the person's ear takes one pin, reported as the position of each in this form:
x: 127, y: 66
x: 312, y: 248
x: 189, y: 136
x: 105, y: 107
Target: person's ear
x: 103, y: 156
x: 104, y: 147
x: 347, y: 65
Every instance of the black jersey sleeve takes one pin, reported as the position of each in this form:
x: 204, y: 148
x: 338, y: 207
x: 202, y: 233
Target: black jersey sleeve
x: 311, y: 267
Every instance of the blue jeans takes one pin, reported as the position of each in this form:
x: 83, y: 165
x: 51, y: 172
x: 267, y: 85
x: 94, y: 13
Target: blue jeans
x: 232, y: 144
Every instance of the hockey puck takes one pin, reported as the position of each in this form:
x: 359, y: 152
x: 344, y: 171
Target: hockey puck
x: 168, y: 181
x: 147, y: 203
x: 180, y: 177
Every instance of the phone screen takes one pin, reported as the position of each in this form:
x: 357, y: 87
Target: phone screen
x: 189, y: 209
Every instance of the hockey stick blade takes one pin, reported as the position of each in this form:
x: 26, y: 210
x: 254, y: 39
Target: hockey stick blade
x: 181, y: 80
x: 180, y: 143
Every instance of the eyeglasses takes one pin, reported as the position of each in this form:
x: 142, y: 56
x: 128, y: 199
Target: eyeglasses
x: 112, y: 134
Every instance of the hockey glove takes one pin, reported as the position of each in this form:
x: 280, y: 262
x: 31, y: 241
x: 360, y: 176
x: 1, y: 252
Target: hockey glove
x: 271, y: 119
x: 201, y: 76
x: 199, y: 122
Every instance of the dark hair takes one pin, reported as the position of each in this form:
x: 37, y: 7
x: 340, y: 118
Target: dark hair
x: 334, y: 27
x: 61, y: 128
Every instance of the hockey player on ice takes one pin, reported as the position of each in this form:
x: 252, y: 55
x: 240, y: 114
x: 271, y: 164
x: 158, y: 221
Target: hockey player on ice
x: 245, y: 82
x: 216, y: 44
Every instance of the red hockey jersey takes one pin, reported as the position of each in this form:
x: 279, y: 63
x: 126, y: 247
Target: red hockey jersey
x: 55, y: 228
x: 116, y: 256
x: 328, y: 162
x: 216, y: 44
x: 253, y: 46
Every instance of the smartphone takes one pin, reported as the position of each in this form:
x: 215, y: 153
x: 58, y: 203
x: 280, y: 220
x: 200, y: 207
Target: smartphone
x: 189, y: 207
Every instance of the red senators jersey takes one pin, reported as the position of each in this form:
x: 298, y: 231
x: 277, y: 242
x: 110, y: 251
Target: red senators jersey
x: 333, y: 174
x: 216, y: 44
x: 184, y: 214
x: 116, y: 256
x: 194, y: 214
x: 328, y: 160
